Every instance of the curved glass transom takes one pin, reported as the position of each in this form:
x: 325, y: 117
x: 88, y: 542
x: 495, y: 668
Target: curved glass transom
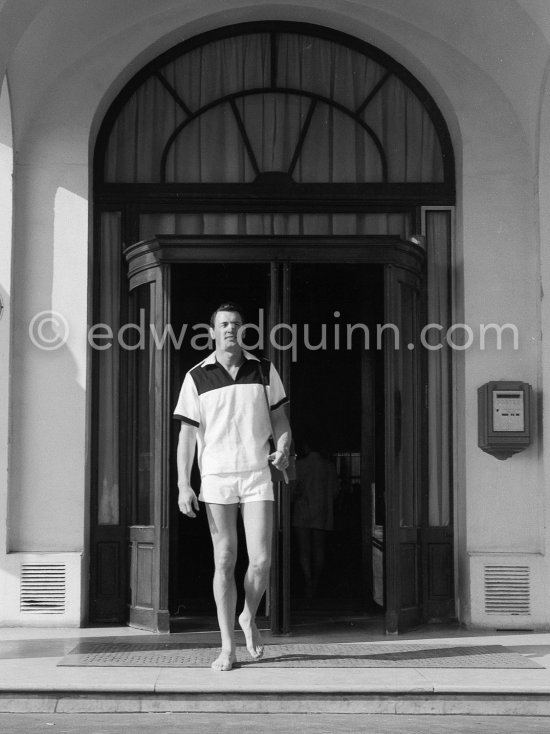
x: 274, y: 106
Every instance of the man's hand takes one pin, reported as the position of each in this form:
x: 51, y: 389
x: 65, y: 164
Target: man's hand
x: 187, y: 501
x: 279, y: 459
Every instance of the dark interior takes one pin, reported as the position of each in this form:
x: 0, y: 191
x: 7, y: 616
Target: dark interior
x: 328, y: 399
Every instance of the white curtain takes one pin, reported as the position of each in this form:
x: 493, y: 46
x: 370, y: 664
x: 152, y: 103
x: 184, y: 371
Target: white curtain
x: 212, y: 149
x: 275, y: 224
x: 438, y: 243
x: 108, y: 381
x: 110, y: 255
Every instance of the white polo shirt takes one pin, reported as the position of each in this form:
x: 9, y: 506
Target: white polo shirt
x: 231, y: 415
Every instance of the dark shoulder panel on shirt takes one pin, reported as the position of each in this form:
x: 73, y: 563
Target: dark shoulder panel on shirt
x: 250, y: 372
x: 265, y: 366
x: 209, y: 377
x: 213, y: 376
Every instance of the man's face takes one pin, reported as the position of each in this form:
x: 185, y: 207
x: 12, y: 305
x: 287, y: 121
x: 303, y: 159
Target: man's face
x: 226, y: 328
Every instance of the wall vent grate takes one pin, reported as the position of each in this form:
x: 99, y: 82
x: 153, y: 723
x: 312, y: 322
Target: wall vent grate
x: 507, y: 590
x: 43, y: 588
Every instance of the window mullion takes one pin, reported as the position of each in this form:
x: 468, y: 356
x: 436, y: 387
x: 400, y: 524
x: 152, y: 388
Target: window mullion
x: 301, y: 139
x: 170, y: 89
x: 377, y: 87
x: 244, y: 135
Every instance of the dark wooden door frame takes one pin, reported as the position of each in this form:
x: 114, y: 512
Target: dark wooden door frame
x: 176, y: 249
x: 149, y: 544
x: 403, y: 401
x: 279, y: 587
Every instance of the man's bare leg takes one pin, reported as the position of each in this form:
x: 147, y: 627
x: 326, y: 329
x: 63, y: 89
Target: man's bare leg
x: 222, y: 520
x: 258, y: 526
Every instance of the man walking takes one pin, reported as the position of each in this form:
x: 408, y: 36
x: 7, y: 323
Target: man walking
x: 223, y: 410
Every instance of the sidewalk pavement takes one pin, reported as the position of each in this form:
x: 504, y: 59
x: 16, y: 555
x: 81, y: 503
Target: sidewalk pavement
x: 30, y: 680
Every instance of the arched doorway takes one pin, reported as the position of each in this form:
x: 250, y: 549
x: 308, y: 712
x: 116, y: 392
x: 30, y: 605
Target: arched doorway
x: 296, y: 152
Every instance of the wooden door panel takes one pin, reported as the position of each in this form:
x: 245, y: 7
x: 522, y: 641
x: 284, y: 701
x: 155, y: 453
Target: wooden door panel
x: 108, y: 564
x: 142, y: 548
x: 409, y: 597
x: 108, y: 573
x: 438, y: 558
x: 144, y: 575
x: 439, y: 561
x: 148, y: 529
x: 404, y: 469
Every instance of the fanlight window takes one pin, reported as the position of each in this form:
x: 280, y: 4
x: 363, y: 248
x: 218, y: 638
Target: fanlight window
x: 276, y: 106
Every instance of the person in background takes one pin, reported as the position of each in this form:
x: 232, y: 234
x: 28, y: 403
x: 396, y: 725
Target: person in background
x: 315, y: 490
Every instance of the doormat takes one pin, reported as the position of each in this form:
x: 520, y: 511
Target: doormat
x: 297, y: 655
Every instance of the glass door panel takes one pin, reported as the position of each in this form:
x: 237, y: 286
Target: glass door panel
x: 143, y: 427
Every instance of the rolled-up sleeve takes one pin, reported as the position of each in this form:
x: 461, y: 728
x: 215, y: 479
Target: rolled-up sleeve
x: 188, y: 408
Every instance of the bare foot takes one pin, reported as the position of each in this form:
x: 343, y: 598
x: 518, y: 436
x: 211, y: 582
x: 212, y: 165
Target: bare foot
x: 224, y: 661
x: 252, y: 636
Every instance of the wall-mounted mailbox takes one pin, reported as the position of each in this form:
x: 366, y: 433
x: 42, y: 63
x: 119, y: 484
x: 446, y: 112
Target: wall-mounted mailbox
x: 504, y: 418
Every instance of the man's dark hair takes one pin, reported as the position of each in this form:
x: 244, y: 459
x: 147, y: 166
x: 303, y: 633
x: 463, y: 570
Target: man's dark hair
x: 227, y: 306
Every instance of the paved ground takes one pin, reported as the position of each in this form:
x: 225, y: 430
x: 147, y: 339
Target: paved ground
x: 31, y: 683
x: 244, y: 723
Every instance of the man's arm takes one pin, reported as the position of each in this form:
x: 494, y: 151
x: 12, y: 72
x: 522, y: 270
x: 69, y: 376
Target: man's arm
x: 281, y: 426
x: 187, y: 500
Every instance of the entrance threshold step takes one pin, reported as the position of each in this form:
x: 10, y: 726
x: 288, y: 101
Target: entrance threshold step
x: 503, y: 704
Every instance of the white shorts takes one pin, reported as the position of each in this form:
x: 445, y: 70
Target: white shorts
x: 230, y: 489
